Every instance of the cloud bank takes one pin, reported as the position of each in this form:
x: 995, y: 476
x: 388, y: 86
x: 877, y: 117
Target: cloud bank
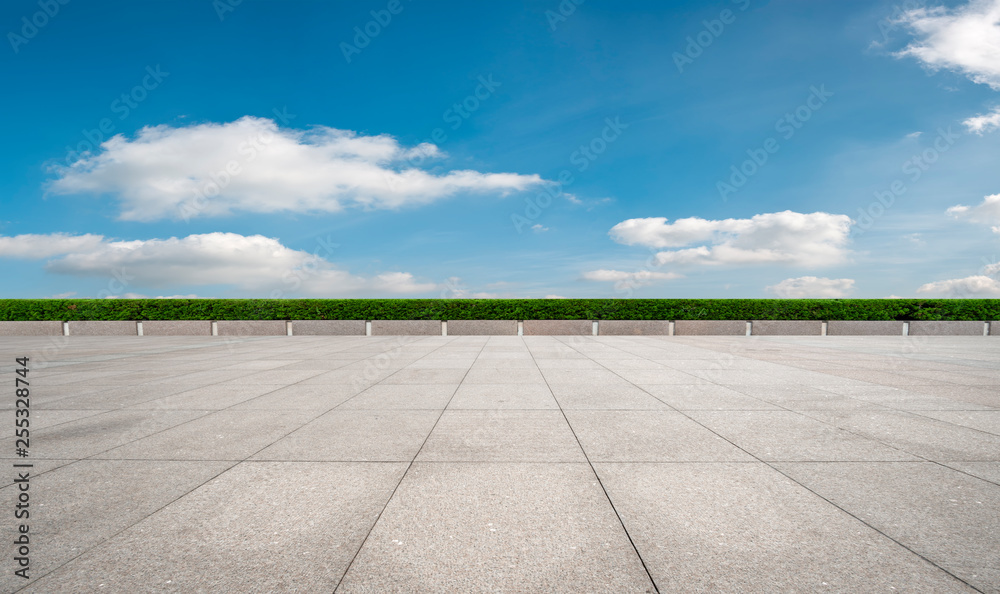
x: 251, y: 165
x: 812, y: 287
x: 256, y: 264
x: 783, y: 238
x: 964, y: 39
x: 987, y: 212
x: 982, y: 124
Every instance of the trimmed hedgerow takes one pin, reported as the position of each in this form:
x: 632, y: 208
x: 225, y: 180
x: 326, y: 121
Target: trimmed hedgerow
x: 500, y: 309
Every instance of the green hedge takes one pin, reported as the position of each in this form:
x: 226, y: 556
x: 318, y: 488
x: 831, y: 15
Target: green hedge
x: 502, y: 309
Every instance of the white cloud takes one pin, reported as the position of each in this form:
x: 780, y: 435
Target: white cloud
x: 987, y: 212
x: 539, y: 228
x: 453, y: 289
x: 555, y: 297
x: 636, y: 279
x: 251, y: 165
x: 981, y: 124
x: 788, y: 238
x: 965, y: 39
x: 66, y: 295
x: 969, y: 287
x: 913, y: 135
x: 35, y: 247
x: 813, y: 287
x: 253, y: 263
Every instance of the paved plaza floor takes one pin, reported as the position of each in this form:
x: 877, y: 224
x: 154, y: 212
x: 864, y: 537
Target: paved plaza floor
x: 506, y: 464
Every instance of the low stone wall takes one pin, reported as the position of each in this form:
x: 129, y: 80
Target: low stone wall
x: 854, y: 328
x: 786, y: 328
x: 177, y: 328
x: 328, y: 327
x: 558, y: 328
x: 499, y: 328
x: 946, y: 328
x: 252, y: 327
x: 710, y: 328
x: 111, y: 328
x: 404, y: 328
x: 482, y: 327
x: 633, y: 328
x: 31, y: 328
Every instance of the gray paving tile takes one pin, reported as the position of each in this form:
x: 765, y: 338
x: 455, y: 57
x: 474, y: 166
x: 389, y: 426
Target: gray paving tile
x: 605, y: 396
x: 426, y: 376
x: 41, y: 419
x: 356, y: 436
x: 106, y: 397
x: 501, y: 436
x: 948, y: 517
x: 988, y: 471
x: 260, y: 527
x: 648, y: 436
x: 221, y: 435
x: 985, y: 396
x: 498, y: 527
x: 503, y: 376
x: 934, y: 397
x: 507, y: 396
x: 94, y: 434
x: 987, y: 421
x: 747, y: 528
x: 210, y: 398
x: 786, y: 435
x: 706, y: 397
x: 917, y: 434
x: 402, y: 396
x: 80, y: 505
x: 320, y: 397
x: 581, y: 376
x: 276, y: 376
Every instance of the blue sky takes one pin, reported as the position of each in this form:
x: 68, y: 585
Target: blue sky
x: 522, y: 149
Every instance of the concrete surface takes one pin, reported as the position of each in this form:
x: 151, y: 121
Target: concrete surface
x: 482, y: 327
x: 507, y: 463
x: 406, y: 328
x: 558, y: 327
x: 252, y: 327
x: 177, y: 328
x: 633, y: 327
x: 108, y: 328
x: 922, y: 328
x: 328, y: 327
x: 786, y: 327
x: 710, y: 327
x: 861, y: 328
x: 41, y: 328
